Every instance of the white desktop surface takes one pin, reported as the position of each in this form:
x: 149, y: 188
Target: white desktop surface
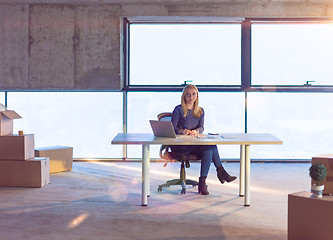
x: 228, y: 138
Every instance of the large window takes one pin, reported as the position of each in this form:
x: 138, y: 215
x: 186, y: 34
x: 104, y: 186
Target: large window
x: 85, y: 121
x: 260, y: 55
x: 292, y: 54
x: 169, y: 54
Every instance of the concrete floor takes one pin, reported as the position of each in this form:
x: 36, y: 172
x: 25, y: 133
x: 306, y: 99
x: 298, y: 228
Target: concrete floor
x: 103, y: 201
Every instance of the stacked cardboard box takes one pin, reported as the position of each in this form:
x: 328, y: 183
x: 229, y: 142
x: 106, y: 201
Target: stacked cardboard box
x: 61, y: 157
x: 327, y: 161
x: 18, y: 165
x: 6, y: 121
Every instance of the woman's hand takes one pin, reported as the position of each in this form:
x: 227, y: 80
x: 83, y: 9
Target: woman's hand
x: 191, y: 132
x: 186, y: 131
x: 194, y: 132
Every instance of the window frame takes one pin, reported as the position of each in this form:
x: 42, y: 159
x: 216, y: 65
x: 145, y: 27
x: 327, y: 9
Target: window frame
x: 246, y: 54
x: 172, y: 20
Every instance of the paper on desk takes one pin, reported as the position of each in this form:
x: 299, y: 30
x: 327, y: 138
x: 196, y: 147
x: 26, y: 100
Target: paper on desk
x: 231, y: 136
x: 208, y: 136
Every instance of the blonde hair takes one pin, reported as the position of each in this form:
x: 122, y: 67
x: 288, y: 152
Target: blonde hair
x: 197, y: 111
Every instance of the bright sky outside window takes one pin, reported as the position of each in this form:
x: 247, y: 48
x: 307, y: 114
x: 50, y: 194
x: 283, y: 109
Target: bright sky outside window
x: 2, y: 98
x: 85, y: 121
x: 302, y: 120
x: 169, y: 54
x: 292, y: 54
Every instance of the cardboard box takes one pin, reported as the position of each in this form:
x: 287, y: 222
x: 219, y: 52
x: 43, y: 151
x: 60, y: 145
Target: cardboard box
x: 6, y: 122
x: 33, y: 172
x: 327, y: 160
x: 17, y: 147
x: 309, y: 218
x: 61, y: 157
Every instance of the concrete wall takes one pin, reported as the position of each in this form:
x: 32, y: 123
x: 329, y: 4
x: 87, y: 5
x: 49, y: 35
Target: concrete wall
x: 76, y: 45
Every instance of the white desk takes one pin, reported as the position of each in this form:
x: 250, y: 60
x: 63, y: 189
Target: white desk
x: 242, y: 139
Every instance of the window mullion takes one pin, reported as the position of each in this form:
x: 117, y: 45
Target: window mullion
x: 246, y: 55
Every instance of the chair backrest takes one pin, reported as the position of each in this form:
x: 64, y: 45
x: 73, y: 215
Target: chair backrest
x: 166, y: 116
x: 165, y: 151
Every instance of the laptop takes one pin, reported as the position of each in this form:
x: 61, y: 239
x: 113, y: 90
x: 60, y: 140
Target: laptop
x: 162, y: 128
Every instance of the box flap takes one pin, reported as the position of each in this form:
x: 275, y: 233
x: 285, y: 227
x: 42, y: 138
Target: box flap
x: 10, y: 114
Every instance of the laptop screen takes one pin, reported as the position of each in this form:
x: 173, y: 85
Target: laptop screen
x: 162, y: 128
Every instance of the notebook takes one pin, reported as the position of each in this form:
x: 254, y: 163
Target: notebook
x: 162, y: 128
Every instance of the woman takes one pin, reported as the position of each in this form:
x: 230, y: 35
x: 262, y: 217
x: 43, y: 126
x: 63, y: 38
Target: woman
x: 188, y: 119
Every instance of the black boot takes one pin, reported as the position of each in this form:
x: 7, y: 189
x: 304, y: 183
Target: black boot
x: 202, y: 187
x: 223, y: 176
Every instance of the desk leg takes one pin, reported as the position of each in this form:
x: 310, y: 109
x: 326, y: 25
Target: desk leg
x: 242, y: 171
x: 145, y: 174
x: 247, y: 175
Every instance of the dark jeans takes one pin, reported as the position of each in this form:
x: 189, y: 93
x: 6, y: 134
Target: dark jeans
x: 207, y: 154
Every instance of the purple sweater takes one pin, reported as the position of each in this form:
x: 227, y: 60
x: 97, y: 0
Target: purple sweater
x: 189, y: 122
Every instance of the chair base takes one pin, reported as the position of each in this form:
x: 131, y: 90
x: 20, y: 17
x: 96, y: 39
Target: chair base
x: 180, y: 182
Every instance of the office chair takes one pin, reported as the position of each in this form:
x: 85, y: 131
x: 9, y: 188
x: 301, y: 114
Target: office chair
x: 184, y: 159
